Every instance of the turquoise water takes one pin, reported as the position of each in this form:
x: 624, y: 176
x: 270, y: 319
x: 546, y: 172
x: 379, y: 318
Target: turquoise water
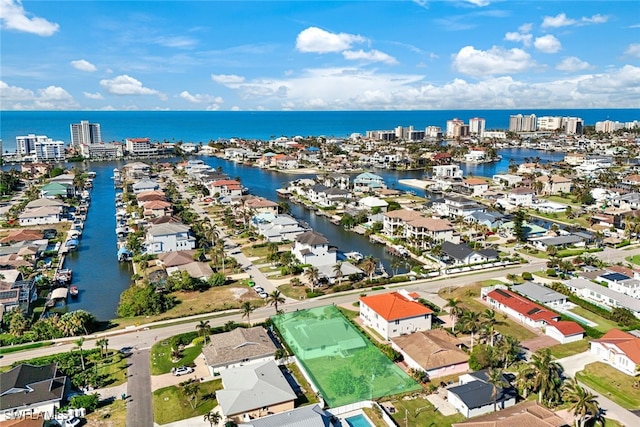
x: 358, y: 421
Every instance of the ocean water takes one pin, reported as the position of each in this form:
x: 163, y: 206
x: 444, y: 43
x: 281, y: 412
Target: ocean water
x: 203, y: 126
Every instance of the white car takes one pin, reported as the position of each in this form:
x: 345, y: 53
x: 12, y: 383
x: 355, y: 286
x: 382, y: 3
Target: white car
x: 258, y: 289
x: 182, y: 370
x: 263, y: 294
x: 73, y: 422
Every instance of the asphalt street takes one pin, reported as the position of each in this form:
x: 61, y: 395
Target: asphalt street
x: 139, y: 401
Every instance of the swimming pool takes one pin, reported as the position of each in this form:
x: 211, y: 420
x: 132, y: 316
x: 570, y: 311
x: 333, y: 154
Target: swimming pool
x: 358, y: 421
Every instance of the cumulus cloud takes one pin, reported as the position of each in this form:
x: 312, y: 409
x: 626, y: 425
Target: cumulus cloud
x: 633, y: 50
x: 316, y: 40
x: 84, y: 65
x: 523, y: 38
x: 49, y: 98
x: 547, y: 44
x: 227, y: 79
x: 572, y: 64
x: 496, y: 60
x: 369, y: 56
x: 126, y: 85
x: 90, y: 95
x: 199, y: 98
x: 14, y: 17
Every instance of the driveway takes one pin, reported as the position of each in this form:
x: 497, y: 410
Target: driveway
x: 577, y: 362
x: 139, y: 402
x: 165, y: 380
x: 535, y: 344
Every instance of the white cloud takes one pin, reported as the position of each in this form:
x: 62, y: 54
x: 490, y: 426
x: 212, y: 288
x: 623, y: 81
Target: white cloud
x: 633, y: 50
x: 560, y: 20
x: 595, y: 19
x: 84, y: 65
x: 14, y: 17
x: 572, y: 64
x: 227, y: 79
x: 491, y: 62
x: 547, y: 44
x: 525, y: 28
x: 177, y: 42
x: 49, y: 98
x: 316, y: 40
x: 126, y: 85
x: 480, y: 3
x: 523, y: 38
x: 199, y: 98
x: 370, y: 56
x: 90, y: 95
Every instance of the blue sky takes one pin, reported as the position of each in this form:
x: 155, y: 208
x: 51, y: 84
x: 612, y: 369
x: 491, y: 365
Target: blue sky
x: 319, y: 55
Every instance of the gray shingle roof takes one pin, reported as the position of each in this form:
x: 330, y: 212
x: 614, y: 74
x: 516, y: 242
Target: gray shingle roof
x: 26, y: 385
x: 312, y: 238
x: 306, y: 416
x: 476, y: 394
x: 238, y: 345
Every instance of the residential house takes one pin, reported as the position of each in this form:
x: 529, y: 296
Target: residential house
x: 368, y: 182
x: 148, y: 196
x: 462, y: 254
x: 627, y: 201
x: 57, y: 189
x: 286, y: 162
x: 527, y: 413
x: 475, y: 186
x: 599, y: 294
x: 281, y: 228
x: 225, y: 188
x: 531, y: 231
x: 137, y: 170
x: 237, y: 348
x: 16, y: 293
x: 261, y: 205
x: 337, y: 180
x: 169, y: 237
x: 21, y: 235
x: 540, y: 294
x: 517, y: 197
x: 196, y: 269
x: 446, y: 171
x: 156, y: 208
x: 553, y: 184
x: 575, y: 158
x: 304, y: 416
x: 39, y: 216
x: 491, y: 220
x: 456, y: 206
x: 394, y: 221
x: 253, y: 391
x: 27, y: 390
x: 474, y: 395
x: 370, y: 202
x: 327, y: 196
x: 313, y: 248
x: 435, y: 352
x: 423, y: 232
x: 558, y: 242
x: 395, y: 313
x: 507, y: 180
x: 174, y: 259
x: 145, y: 184
x: 620, y: 350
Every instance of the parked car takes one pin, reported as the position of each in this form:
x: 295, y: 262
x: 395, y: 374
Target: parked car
x: 263, y: 294
x: 73, y: 422
x: 258, y: 289
x: 182, y: 370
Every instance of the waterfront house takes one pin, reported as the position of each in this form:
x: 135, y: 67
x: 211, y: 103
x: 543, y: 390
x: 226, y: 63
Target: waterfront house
x: 337, y: 180
x: 253, y: 391
x: 394, y: 221
x: 21, y: 235
x: 174, y: 259
x: 145, y: 184
x: 422, y: 232
x: 148, y: 196
x: 370, y: 202
x: 507, y: 180
x: 491, y: 220
x: 55, y: 190
x: 456, y: 206
x: 136, y: 170
x: 41, y: 215
x: 602, y: 295
x: 281, y: 228
x: 446, y: 171
x: 620, y: 350
x: 554, y: 184
x: 395, y: 313
x: 368, y: 182
x: 327, y: 196
x: 169, y: 237
x: 238, y: 347
x: 313, y: 248
x: 28, y: 390
x: 286, y: 162
x: 517, y: 197
x: 225, y: 188
x: 462, y: 254
x: 475, y: 186
x: 195, y: 269
x: 16, y: 292
x: 156, y: 208
x: 435, y: 351
x: 527, y: 413
x: 474, y: 395
x: 259, y: 205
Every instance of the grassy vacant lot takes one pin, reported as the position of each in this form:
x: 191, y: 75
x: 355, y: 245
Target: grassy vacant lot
x: 115, y: 369
x: 420, y: 412
x: 309, y: 396
x: 295, y: 292
x: 564, y: 350
x: 604, y: 325
x: 161, y: 357
x: 611, y: 383
x: 633, y: 259
x: 113, y: 414
x: 171, y: 404
x: 468, y: 299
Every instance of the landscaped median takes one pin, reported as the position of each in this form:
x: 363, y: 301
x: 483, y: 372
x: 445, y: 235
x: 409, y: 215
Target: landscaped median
x: 612, y: 384
x: 178, y: 348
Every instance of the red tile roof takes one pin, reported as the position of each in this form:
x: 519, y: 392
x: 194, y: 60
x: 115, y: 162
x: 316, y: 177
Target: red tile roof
x: 567, y: 327
x: 522, y: 305
x: 394, y: 306
x: 627, y: 343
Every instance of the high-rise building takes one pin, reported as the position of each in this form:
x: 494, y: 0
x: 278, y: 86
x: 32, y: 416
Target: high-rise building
x: 456, y: 128
x: 27, y: 144
x: 572, y: 125
x: 551, y: 123
x: 85, y: 133
x: 476, y: 126
x: 520, y: 123
x: 49, y: 150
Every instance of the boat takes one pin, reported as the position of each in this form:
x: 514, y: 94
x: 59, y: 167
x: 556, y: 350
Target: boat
x: 63, y: 275
x: 355, y: 256
x: 73, y: 291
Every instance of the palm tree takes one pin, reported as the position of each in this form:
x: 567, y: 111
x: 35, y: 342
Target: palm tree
x: 312, y: 274
x: 337, y: 271
x: 247, y: 309
x: 79, y: 344
x: 369, y: 266
x: 583, y: 403
x: 471, y: 323
x: 545, y: 374
x: 203, y: 329
x: 455, y: 311
x: 490, y: 322
x: 508, y: 348
x: 495, y: 377
x: 213, y: 417
x: 276, y: 298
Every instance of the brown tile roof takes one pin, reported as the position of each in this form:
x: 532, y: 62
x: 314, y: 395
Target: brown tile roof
x: 432, y: 349
x: 238, y: 345
x: 431, y: 224
x: 22, y: 236
x: 525, y: 414
x: 174, y: 259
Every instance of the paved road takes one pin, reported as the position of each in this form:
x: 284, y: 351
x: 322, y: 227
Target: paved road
x: 139, y: 402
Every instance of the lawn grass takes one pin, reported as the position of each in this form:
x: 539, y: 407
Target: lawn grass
x: 564, y: 350
x: 420, y: 412
x: 115, y: 370
x: 349, y: 314
x: 309, y: 396
x: 467, y: 296
x: 161, y: 357
x: 112, y: 414
x: 261, y: 252
x: 375, y: 417
x: 171, y: 404
x: 612, y: 384
x: 295, y: 292
x: 633, y: 259
x: 604, y: 325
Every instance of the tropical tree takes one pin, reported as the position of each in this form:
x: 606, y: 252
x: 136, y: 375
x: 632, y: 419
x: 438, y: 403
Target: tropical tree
x: 213, y: 417
x: 495, y: 377
x: 312, y: 274
x: 471, y: 322
x: 276, y: 298
x: 545, y: 374
x: 79, y: 343
x: 583, y: 403
x: 369, y: 266
x: 247, y: 308
x: 508, y: 350
x: 203, y: 327
x: 337, y: 271
x: 455, y: 311
x: 191, y: 389
x: 489, y: 323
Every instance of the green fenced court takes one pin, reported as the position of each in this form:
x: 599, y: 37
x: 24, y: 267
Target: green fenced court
x: 343, y: 364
